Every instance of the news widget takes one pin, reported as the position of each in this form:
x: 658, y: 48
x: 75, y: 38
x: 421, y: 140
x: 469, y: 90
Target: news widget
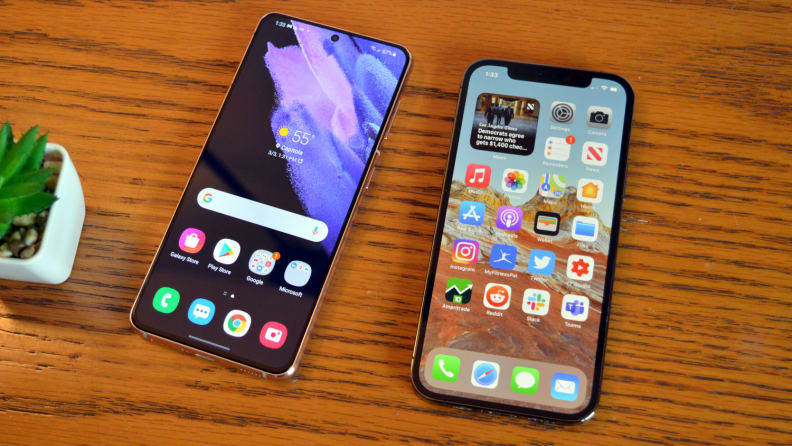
x: 505, y: 124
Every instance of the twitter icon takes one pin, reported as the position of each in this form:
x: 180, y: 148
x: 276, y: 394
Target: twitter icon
x: 541, y: 262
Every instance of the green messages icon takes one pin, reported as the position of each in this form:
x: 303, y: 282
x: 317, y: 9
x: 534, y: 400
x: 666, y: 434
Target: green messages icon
x: 525, y: 380
x: 445, y: 368
x: 165, y: 300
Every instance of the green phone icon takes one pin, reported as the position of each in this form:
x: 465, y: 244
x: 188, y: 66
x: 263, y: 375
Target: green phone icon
x: 525, y: 380
x: 166, y: 299
x: 446, y: 368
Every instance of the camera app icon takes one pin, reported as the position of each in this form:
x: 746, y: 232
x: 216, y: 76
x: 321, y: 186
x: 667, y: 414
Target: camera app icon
x: 599, y: 117
x: 273, y: 335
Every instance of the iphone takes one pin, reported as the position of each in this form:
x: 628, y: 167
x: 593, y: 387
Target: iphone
x: 515, y: 310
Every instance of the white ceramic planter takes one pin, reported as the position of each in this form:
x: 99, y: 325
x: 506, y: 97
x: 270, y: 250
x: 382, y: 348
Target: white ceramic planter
x: 53, y: 261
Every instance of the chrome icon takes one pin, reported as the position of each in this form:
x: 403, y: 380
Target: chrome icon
x: 237, y: 323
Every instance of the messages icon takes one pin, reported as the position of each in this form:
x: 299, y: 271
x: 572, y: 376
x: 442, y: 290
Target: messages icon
x: 525, y: 380
x: 201, y: 311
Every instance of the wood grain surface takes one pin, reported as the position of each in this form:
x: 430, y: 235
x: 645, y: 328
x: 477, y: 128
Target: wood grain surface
x: 699, y: 348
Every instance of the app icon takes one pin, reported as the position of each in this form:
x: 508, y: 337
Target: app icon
x: 471, y: 213
x: 585, y: 229
x: 589, y: 191
x: 273, y: 335
x: 525, y: 380
x: 557, y: 149
x: 165, y: 300
x: 503, y: 256
x: 564, y: 386
x: 562, y: 112
x: 465, y: 251
x: 226, y: 251
x: 236, y: 323
x: 446, y: 368
x: 262, y: 261
x: 599, y: 116
x: 297, y: 273
x: 594, y: 153
x: 536, y: 302
x: 201, y: 311
x: 497, y: 296
x: 552, y: 186
x: 509, y: 218
x: 575, y: 308
x: 541, y: 262
x: 547, y: 223
x: 580, y: 267
x: 192, y: 240
x: 485, y: 374
x: 515, y: 180
x: 459, y: 291
x: 478, y: 175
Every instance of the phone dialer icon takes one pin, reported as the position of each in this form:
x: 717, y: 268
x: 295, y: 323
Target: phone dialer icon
x: 446, y: 368
x: 166, y: 300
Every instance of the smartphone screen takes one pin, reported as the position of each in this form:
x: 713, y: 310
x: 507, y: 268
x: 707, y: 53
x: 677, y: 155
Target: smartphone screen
x: 523, y: 260
x: 250, y: 246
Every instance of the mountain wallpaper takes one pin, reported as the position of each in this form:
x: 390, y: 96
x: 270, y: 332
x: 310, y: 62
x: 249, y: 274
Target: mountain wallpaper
x: 550, y: 339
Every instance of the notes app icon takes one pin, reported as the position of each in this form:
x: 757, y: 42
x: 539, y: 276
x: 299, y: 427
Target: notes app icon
x: 478, y: 175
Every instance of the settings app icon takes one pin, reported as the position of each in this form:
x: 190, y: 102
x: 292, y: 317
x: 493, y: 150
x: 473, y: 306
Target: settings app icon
x: 562, y: 112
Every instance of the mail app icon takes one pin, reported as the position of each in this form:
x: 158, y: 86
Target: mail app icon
x: 565, y: 386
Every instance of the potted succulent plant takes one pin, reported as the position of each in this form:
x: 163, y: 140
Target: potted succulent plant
x: 41, y: 208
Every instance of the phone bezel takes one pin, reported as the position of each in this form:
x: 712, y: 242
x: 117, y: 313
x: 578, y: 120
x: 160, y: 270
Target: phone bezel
x: 239, y: 362
x: 551, y: 75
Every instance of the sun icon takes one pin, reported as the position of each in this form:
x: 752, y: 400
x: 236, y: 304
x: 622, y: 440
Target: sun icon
x: 283, y: 131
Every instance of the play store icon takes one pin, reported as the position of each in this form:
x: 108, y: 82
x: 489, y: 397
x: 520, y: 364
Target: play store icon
x: 226, y: 251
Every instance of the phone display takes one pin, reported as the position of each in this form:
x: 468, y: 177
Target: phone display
x: 250, y: 247
x: 517, y: 296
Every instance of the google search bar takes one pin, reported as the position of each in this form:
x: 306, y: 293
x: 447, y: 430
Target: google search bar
x: 262, y: 214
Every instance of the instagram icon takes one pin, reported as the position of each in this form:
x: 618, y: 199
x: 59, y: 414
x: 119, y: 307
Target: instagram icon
x: 465, y: 251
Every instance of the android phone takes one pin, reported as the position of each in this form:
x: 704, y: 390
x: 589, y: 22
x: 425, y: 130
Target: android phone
x: 515, y: 309
x: 248, y: 254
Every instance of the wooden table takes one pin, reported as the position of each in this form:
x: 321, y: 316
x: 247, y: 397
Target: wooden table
x: 699, y: 347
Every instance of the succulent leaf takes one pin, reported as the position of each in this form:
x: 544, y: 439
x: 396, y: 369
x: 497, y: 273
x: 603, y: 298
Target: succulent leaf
x: 34, y: 160
x: 37, y: 176
x: 20, y: 190
x: 4, y: 227
x: 5, y: 139
x: 11, y: 207
x: 16, y: 157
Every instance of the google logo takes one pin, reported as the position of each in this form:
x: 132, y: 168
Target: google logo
x: 237, y: 323
x: 207, y: 198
